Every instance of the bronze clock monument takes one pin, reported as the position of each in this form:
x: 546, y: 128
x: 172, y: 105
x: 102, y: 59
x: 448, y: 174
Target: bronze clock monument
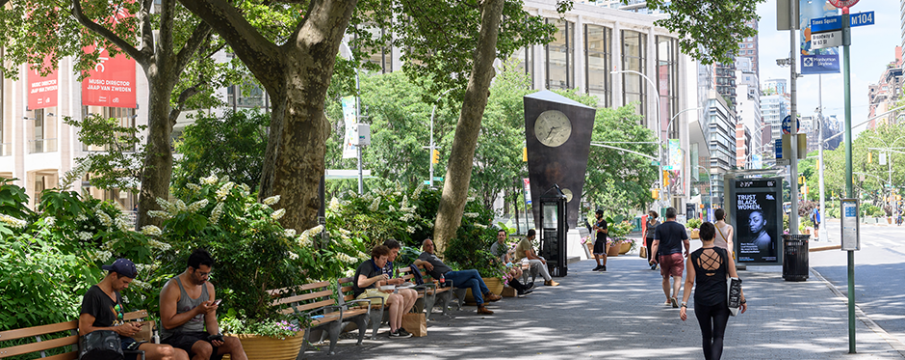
x: 558, y: 138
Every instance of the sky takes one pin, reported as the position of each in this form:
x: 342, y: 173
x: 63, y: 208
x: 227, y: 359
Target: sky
x: 873, y: 47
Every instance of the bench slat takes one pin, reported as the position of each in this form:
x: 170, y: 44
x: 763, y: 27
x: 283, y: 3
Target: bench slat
x: 297, y: 298
x: 317, y: 285
x: 74, y: 355
x: 38, y: 346
x: 38, y: 330
x: 316, y: 305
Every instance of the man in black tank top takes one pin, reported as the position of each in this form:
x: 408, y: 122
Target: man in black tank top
x: 188, y: 313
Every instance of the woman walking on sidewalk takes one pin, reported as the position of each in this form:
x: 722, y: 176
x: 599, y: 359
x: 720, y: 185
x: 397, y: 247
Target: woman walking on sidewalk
x: 724, y: 232
x: 651, y: 224
x: 709, y: 266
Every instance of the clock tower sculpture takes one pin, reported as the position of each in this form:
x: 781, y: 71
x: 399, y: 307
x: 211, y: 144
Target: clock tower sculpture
x: 558, y: 138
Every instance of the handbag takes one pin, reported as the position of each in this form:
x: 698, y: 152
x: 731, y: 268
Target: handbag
x: 734, y: 294
x: 415, y: 323
x: 643, y: 252
x: 100, y: 345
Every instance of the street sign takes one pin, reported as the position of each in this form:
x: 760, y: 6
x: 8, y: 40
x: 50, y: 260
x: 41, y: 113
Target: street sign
x: 851, y: 240
x: 833, y: 23
x: 843, y: 3
x: 437, y: 178
x: 655, y: 163
x: 826, y: 40
x: 427, y: 182
x: 862, y: 19
x: 787, y: 125
x: 778, y: 147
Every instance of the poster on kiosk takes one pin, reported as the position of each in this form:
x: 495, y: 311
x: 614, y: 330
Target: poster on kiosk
x: 755, y: 209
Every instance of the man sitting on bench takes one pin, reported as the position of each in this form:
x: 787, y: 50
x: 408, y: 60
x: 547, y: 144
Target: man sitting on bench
x: 465, y: 279
x: 525, y: 250
x: 369, y: 277
x: 102, y: 309
x: 409, y: 296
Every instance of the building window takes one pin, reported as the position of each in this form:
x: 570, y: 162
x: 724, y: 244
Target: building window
x: 43, y: 139
x: 526, y: 62
x: 598, y: 40
x: 561, y: 56
x: 668, y: 81
x: 633, y: 49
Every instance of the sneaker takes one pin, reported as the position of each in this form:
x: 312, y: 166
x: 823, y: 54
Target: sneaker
x: 603, y: 268
x: 551, y: 283
x: 403, y: 333
x: 395, y: 334
x: 675, y: 303
x: 529, y: 286
x: 597, y: 268
x: 525, y: 292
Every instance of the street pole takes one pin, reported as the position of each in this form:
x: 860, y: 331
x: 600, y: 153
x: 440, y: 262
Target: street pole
x: 432, y: 145
x: 821, y: 165
x: 846, y: 76
x: 659, y: 132
x: 793, y: 127
x: 361, y: 181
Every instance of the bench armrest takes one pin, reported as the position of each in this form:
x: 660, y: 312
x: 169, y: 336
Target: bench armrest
x: 367, y: 300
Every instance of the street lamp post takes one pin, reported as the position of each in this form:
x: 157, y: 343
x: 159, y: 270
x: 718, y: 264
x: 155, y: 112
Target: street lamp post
x: 659, y: 133
x: 430, y: 182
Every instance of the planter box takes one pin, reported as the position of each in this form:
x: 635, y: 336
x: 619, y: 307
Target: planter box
x: 495, y: 285
x: 625, y: 248
x: 613, y: 251
x: 267, y: 348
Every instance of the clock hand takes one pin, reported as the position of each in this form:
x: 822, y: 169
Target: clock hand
x: 549, y: 134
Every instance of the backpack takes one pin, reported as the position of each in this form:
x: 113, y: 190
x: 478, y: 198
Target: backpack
x: 100, y: 345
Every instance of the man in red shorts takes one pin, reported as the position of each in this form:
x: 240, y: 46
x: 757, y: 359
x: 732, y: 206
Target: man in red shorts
x: 669, y: 238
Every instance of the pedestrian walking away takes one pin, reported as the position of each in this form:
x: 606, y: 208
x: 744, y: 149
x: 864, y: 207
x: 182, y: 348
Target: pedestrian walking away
x: 710, y: 266
x: 669, y: 238
x: 651, y: 226
x: 724, y: 233
x: 600, y: 245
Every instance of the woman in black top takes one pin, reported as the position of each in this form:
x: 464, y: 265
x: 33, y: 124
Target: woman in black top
x: 651, y: 224
x: 709, y: 266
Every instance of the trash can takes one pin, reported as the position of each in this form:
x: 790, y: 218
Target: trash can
x: 795, y: 257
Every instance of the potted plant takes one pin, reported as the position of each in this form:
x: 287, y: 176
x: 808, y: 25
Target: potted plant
x: 694, y: 225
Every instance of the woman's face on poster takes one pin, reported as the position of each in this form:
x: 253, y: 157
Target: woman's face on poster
x: 756, y: 222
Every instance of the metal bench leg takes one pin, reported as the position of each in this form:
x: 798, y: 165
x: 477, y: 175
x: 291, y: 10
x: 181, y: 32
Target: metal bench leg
x: 376, y: 319
x: 429, y: 301
x: 304, y: 344
x: 444, y: 301
x: 460, y: 296
x: 362, y: 322
x: 334, y: 329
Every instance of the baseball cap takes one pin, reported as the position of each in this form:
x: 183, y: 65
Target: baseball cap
x: 124, y: 267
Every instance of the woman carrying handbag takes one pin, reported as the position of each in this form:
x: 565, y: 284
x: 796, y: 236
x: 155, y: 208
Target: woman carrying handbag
x: 710, y: 266
x: 724, y: 232
x: 651, y: 225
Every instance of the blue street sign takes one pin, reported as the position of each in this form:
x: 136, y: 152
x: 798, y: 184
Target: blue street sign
x: 862, y: 19
x: 778, y: 148
x: 832, y: 23
x: 819, y: 64
x: 787, y: 125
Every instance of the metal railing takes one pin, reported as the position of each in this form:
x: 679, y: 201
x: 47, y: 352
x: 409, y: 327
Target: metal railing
x: 42, y: 146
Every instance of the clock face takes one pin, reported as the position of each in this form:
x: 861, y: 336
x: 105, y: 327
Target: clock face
x: 552, y: 128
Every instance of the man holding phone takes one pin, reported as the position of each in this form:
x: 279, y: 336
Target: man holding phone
x: 102, y: 309
x: 187, y: 309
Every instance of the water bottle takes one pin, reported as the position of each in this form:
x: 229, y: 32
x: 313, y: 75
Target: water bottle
x: 442, y: 280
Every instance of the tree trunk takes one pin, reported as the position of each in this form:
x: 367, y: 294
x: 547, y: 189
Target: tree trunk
x: 158, y: 165
x: 461, y: 161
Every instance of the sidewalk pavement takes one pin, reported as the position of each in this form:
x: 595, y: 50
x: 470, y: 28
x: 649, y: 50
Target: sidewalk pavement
x: 619, y: 314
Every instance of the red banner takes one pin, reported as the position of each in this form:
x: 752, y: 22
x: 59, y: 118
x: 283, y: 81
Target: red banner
x: 111, y: 83
x: 42, y: 90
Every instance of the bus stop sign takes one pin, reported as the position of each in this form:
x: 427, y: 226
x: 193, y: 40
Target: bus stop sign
x: 843, y: 3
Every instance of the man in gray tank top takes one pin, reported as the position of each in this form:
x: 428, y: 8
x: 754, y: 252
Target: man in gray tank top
x: 188, y: 313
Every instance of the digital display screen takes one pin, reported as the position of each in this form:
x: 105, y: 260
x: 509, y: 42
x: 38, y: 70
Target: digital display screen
x: 757, y: 227
x: 745, y: 184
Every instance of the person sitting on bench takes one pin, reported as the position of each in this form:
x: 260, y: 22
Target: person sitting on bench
x: 369, y: 277
x: 102, y: 309
x: 465, y: 279
x: 525, y: 250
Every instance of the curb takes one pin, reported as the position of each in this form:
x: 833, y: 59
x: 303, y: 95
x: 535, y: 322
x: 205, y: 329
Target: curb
x: 894, y: 342
x: 825, y: 248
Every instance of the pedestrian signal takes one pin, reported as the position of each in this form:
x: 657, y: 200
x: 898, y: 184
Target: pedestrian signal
x: 655, y: 194
x: 665, y: 177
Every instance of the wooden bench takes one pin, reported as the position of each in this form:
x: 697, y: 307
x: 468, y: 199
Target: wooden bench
x: 444, y: 294
x: 43, y: 346
x: 306, y: 301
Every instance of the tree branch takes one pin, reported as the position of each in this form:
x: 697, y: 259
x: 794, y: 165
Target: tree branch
x: 147, y: 29
x: 202, y: 31
x: 262, y: 57
x: 183, y: 97
x: 130, y: 50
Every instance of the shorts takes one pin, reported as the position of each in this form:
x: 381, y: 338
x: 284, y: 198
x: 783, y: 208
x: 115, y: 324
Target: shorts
x: 374, y: 293
x: 126, y: 342
x: 672, y: 265
x: 185, y: 341
x: 600, y: 247
x: 816, y: 225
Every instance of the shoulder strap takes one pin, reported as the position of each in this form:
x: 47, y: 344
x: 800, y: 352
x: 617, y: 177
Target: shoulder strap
x: 721, y: 234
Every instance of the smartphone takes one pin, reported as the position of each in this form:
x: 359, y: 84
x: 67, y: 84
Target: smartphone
x: 217, y: 302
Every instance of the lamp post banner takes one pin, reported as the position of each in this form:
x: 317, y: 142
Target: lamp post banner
x: 816, y: 61
x: 42, y: 90
x: 675, y: 166
x: 112, y: 81
x: 350, y: 150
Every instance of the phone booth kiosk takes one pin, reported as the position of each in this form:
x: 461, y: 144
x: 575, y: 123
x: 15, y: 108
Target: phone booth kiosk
x: 553, y: 231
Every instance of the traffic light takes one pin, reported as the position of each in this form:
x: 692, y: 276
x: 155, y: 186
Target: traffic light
x: 818, y: 164
x: 655, y: 194
x: 525, y: 154
x: 435, y: 158
x: 800, y: 180
x: 870, y: 157
x: 665, y: 177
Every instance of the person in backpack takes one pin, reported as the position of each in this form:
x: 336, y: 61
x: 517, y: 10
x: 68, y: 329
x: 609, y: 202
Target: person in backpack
x: 102, y: 309
x: 709, y: 267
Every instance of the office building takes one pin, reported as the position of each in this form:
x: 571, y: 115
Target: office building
x: 886, y: 92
